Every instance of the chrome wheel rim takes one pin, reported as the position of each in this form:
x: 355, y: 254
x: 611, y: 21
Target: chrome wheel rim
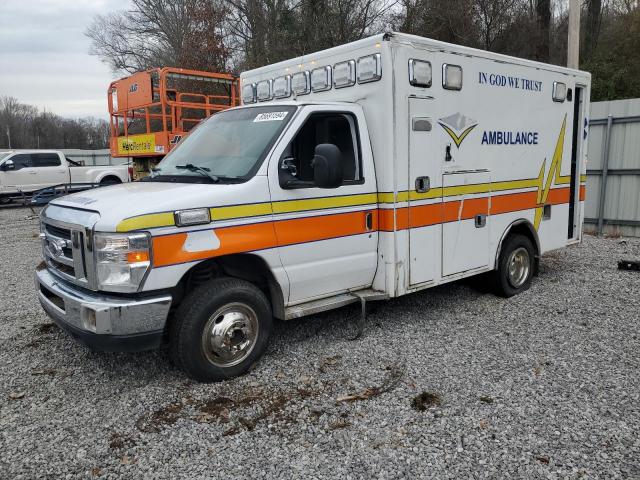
x: 230, y: 334
x: 519, y: 265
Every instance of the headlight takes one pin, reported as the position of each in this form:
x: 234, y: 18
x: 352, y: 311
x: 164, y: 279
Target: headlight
x: 122, y: 260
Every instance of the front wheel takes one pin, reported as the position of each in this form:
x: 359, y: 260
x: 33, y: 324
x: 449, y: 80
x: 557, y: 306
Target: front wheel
x: 515, y: 266
x: 221, y: 329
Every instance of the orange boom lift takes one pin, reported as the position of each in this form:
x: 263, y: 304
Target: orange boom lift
x: 151, y: 111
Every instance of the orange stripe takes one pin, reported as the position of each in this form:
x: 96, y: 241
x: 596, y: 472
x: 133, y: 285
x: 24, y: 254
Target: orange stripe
x: 168, y: 249
x: 513, y: 202
x: 311, y: 229
x: 583, y: 192
x: 386, y: 216
x: 558, y: 195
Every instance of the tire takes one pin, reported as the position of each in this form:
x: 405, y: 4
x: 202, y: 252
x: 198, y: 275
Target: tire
x: 238, y: 312
x: 110, y: 181
x: 516, y: 266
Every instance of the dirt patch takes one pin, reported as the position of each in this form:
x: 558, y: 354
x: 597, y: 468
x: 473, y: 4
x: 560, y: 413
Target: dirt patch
x: 426, y: 400
x: 258, y: 404
x: 245, y: 412
x: 167, y: 415
x: 47, y: 328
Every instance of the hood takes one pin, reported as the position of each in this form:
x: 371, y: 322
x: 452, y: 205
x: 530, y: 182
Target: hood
x: 119, y: 202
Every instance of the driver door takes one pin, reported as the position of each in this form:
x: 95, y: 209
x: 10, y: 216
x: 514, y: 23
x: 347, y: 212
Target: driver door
x: 327, y: 238
x: 22, y: 177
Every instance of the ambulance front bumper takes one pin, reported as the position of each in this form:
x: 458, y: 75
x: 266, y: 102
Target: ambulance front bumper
x: 103, y: 322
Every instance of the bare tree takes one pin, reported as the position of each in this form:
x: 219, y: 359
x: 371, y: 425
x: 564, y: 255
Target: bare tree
x: 543, y: 16
x: 592, y: 30
x: 29, y: 128
x: 186, y: 33
x: 451, y: 22
x: 494, y: 18
x: 273, y: 30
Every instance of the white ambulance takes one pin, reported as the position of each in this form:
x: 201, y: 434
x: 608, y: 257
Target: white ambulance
x: 366, y: 171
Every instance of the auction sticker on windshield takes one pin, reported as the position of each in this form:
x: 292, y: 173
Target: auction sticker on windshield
x: 270, y: 117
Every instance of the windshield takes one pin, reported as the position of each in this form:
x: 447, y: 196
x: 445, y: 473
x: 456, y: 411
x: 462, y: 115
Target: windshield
x: 229, y: 145
x: 4, y: 155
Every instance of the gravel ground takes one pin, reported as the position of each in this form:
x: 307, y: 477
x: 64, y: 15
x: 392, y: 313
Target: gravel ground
x: 447, y: 383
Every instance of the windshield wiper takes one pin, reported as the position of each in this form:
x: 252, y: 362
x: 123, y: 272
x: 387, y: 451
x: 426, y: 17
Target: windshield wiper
x: 195, y: 168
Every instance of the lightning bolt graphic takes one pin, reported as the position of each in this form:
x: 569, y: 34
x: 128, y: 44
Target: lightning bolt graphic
x: 554, y: 174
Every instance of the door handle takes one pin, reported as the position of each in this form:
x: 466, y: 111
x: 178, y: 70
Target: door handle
x: 31, y: 172
x: 368, y: 221
x: 423, y: 184
x: 480, y: 220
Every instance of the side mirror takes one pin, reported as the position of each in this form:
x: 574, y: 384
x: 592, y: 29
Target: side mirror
x: 8, y: 165
x: 327, y: 166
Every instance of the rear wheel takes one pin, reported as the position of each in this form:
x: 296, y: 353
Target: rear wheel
x: 111, y: 180
x: 221, y: 329
x: 515, y: 266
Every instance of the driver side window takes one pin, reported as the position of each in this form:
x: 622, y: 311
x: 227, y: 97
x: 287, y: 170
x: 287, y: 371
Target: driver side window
x: 22, y: 160
x: 339, y: 129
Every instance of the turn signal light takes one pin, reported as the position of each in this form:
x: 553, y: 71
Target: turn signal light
x: 136, y: 257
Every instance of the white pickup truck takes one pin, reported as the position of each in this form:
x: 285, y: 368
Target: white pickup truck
x: 25, y: 171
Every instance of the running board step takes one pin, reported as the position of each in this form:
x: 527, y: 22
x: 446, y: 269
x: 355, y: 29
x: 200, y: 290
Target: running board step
x: 337, y: 301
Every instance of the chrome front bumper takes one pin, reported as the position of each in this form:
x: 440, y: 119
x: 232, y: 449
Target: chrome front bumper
x: 103, y: 322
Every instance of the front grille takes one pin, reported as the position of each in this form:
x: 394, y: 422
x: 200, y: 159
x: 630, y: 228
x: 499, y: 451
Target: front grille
x: 66, y: 251
x: 66, y: 269
x: 59, y: 232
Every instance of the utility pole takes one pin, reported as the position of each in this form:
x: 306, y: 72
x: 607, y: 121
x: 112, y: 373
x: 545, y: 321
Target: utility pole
x: 573, y: 43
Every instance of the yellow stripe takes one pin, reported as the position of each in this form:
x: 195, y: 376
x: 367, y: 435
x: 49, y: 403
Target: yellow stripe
x: 155, y: 220
x: 240, y: 211
x: 583, y: 178
x: 290, y: 206
x: 152, y: 220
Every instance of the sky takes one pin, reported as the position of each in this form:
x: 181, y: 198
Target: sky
x: 44, y: 55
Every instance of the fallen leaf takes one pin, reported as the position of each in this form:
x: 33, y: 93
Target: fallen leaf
x: 396, y: 372
x: 16, y: 395
x: 96, y: 472
x: 127, y: 460
x: 340, y: 423
x: 44, y: 371
x: 543, y: 459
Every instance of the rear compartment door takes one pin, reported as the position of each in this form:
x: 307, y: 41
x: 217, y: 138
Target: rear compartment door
x: 465, y: 227
x: 425, y: 193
